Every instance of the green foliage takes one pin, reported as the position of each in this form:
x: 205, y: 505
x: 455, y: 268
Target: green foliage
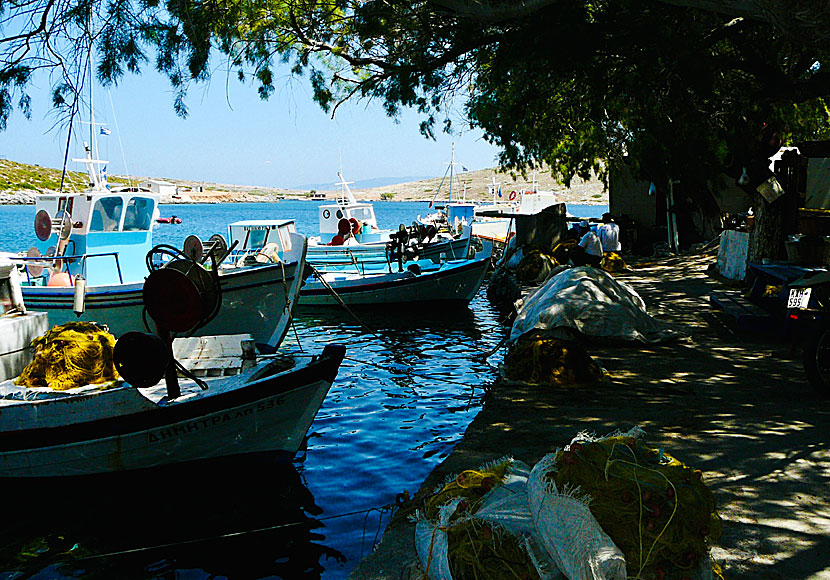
x: 23, y: 177
x: 575, y: 84
x: 387, y: 196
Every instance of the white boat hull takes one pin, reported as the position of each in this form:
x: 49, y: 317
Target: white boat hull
x: 348, y: 255
x: 266, y: 415
x: 454, y: 282
x: 255, y: 300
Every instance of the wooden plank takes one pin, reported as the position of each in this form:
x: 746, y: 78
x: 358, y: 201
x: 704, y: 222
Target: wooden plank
x: 747, y: 315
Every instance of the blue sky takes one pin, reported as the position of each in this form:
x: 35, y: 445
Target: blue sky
x: 233, y: 137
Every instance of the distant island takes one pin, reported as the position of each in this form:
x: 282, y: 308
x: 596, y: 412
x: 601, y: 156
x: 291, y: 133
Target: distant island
x: 21, y: 183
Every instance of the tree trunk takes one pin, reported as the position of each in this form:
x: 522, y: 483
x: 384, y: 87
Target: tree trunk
x: 766, y: 236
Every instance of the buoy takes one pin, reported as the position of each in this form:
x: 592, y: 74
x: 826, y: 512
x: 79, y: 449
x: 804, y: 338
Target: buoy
x: 79, y: 300
x: 60, y: 279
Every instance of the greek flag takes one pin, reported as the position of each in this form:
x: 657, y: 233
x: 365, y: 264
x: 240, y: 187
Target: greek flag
x: 104, y: 177
x: 105, y: 131
x: 464, y: 168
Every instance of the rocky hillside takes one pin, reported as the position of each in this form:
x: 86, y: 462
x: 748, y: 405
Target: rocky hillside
x: 20, y: 183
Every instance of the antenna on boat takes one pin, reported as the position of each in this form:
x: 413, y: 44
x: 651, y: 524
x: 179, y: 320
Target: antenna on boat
x: 90, y: 159
x: 346, y: 195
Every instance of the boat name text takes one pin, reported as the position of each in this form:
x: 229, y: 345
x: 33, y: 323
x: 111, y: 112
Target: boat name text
x: 206, y: 423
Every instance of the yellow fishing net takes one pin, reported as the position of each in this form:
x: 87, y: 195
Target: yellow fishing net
x: 477, y: 549
x: 534, y: 265
x: 657, y: 510
x: 613, y: 262
x: 561, y: 251
x: 70, y: 355
x: 541, y: 359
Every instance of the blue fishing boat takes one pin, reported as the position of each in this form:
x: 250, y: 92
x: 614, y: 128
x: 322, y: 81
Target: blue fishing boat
x: 90, y: 260
x: 398, y: 282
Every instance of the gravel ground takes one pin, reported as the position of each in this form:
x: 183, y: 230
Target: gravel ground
x: 736, y: 406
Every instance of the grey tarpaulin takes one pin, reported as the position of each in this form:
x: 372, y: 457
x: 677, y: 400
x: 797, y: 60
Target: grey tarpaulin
x: 594, y: 303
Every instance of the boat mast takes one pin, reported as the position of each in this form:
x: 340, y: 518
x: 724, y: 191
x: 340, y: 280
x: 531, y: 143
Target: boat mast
x: 346, y: 195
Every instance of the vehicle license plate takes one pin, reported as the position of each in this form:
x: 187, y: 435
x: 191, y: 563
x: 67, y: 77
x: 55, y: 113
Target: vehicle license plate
x: 798, y: 298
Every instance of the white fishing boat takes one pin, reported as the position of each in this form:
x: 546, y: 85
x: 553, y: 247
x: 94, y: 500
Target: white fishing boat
x: 349, y: 233
x: 492, y: 220
x: 421, y: 281
x: 90, y: 260
x: 95, y: 429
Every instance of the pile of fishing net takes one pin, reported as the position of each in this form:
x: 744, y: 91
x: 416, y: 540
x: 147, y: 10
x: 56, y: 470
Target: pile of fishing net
x: 70, y: 355
x: 600, y: 509
x: 470, y: 528
x: 656, y: 510
x: 539, y: 358
x: 535, y: 266
x: 561, y: 252
x: 613, y: 262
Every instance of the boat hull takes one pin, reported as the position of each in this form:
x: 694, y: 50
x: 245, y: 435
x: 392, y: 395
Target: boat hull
x: 454, y: 282
x: 271, y: 414
x: 374, y: 254
x: 254, y: 300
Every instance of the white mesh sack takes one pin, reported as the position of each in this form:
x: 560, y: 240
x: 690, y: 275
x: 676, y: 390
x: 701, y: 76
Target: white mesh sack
x: 569, y: 532
x: 504, y: 507
x: 431, y: 543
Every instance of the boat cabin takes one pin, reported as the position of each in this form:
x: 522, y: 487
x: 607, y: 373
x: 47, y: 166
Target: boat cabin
x: 532, y: 202
x: 105, y: 236
x: 270, y: 237
x: 460, y: 214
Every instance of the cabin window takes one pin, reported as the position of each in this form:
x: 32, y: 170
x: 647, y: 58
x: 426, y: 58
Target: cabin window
x: 65, y: 204
x: 362, y: 213
x: 106, y: 214
x: 138, y: 215
x: 256, y: 238
x: 285, y: 239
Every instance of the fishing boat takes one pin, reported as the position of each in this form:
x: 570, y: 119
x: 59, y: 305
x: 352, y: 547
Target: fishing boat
x: 492, y: 220
x: 95, y: 429
x: 421, y: 281
x: 89, y: 405
x: 349, y: 233
x: 90, y: 260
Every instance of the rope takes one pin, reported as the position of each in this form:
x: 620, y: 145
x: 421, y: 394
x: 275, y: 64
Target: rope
x: 412, y: 373
x: 340, y: 301
x: 382, y: 509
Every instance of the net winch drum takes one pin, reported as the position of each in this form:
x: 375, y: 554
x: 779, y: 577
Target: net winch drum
x: 181, y: 296
x: 45, y: 225
x: 141, y: 358
x: 199, y: 251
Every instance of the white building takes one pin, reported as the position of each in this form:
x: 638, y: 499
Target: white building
x: 158, y: 186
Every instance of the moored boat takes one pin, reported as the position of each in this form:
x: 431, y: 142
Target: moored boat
x: 95, y: 429
x: 91, y: 258
x: 349, y: 233
x: 422, y: 281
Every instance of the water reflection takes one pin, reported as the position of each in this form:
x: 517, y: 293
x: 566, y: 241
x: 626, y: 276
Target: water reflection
x: 239, y: 518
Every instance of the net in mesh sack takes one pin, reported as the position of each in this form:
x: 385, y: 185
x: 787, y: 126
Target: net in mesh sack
x: 477, y: 527
x: 656, y: 510
x: 70, y: 355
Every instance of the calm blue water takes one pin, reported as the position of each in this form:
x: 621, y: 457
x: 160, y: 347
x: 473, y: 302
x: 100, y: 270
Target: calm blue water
x: 402, y: 399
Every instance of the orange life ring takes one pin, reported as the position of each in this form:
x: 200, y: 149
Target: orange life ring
x: 512, y: 195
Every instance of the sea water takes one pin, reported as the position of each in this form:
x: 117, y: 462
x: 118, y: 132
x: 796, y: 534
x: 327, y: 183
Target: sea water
x: 404, y: 395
